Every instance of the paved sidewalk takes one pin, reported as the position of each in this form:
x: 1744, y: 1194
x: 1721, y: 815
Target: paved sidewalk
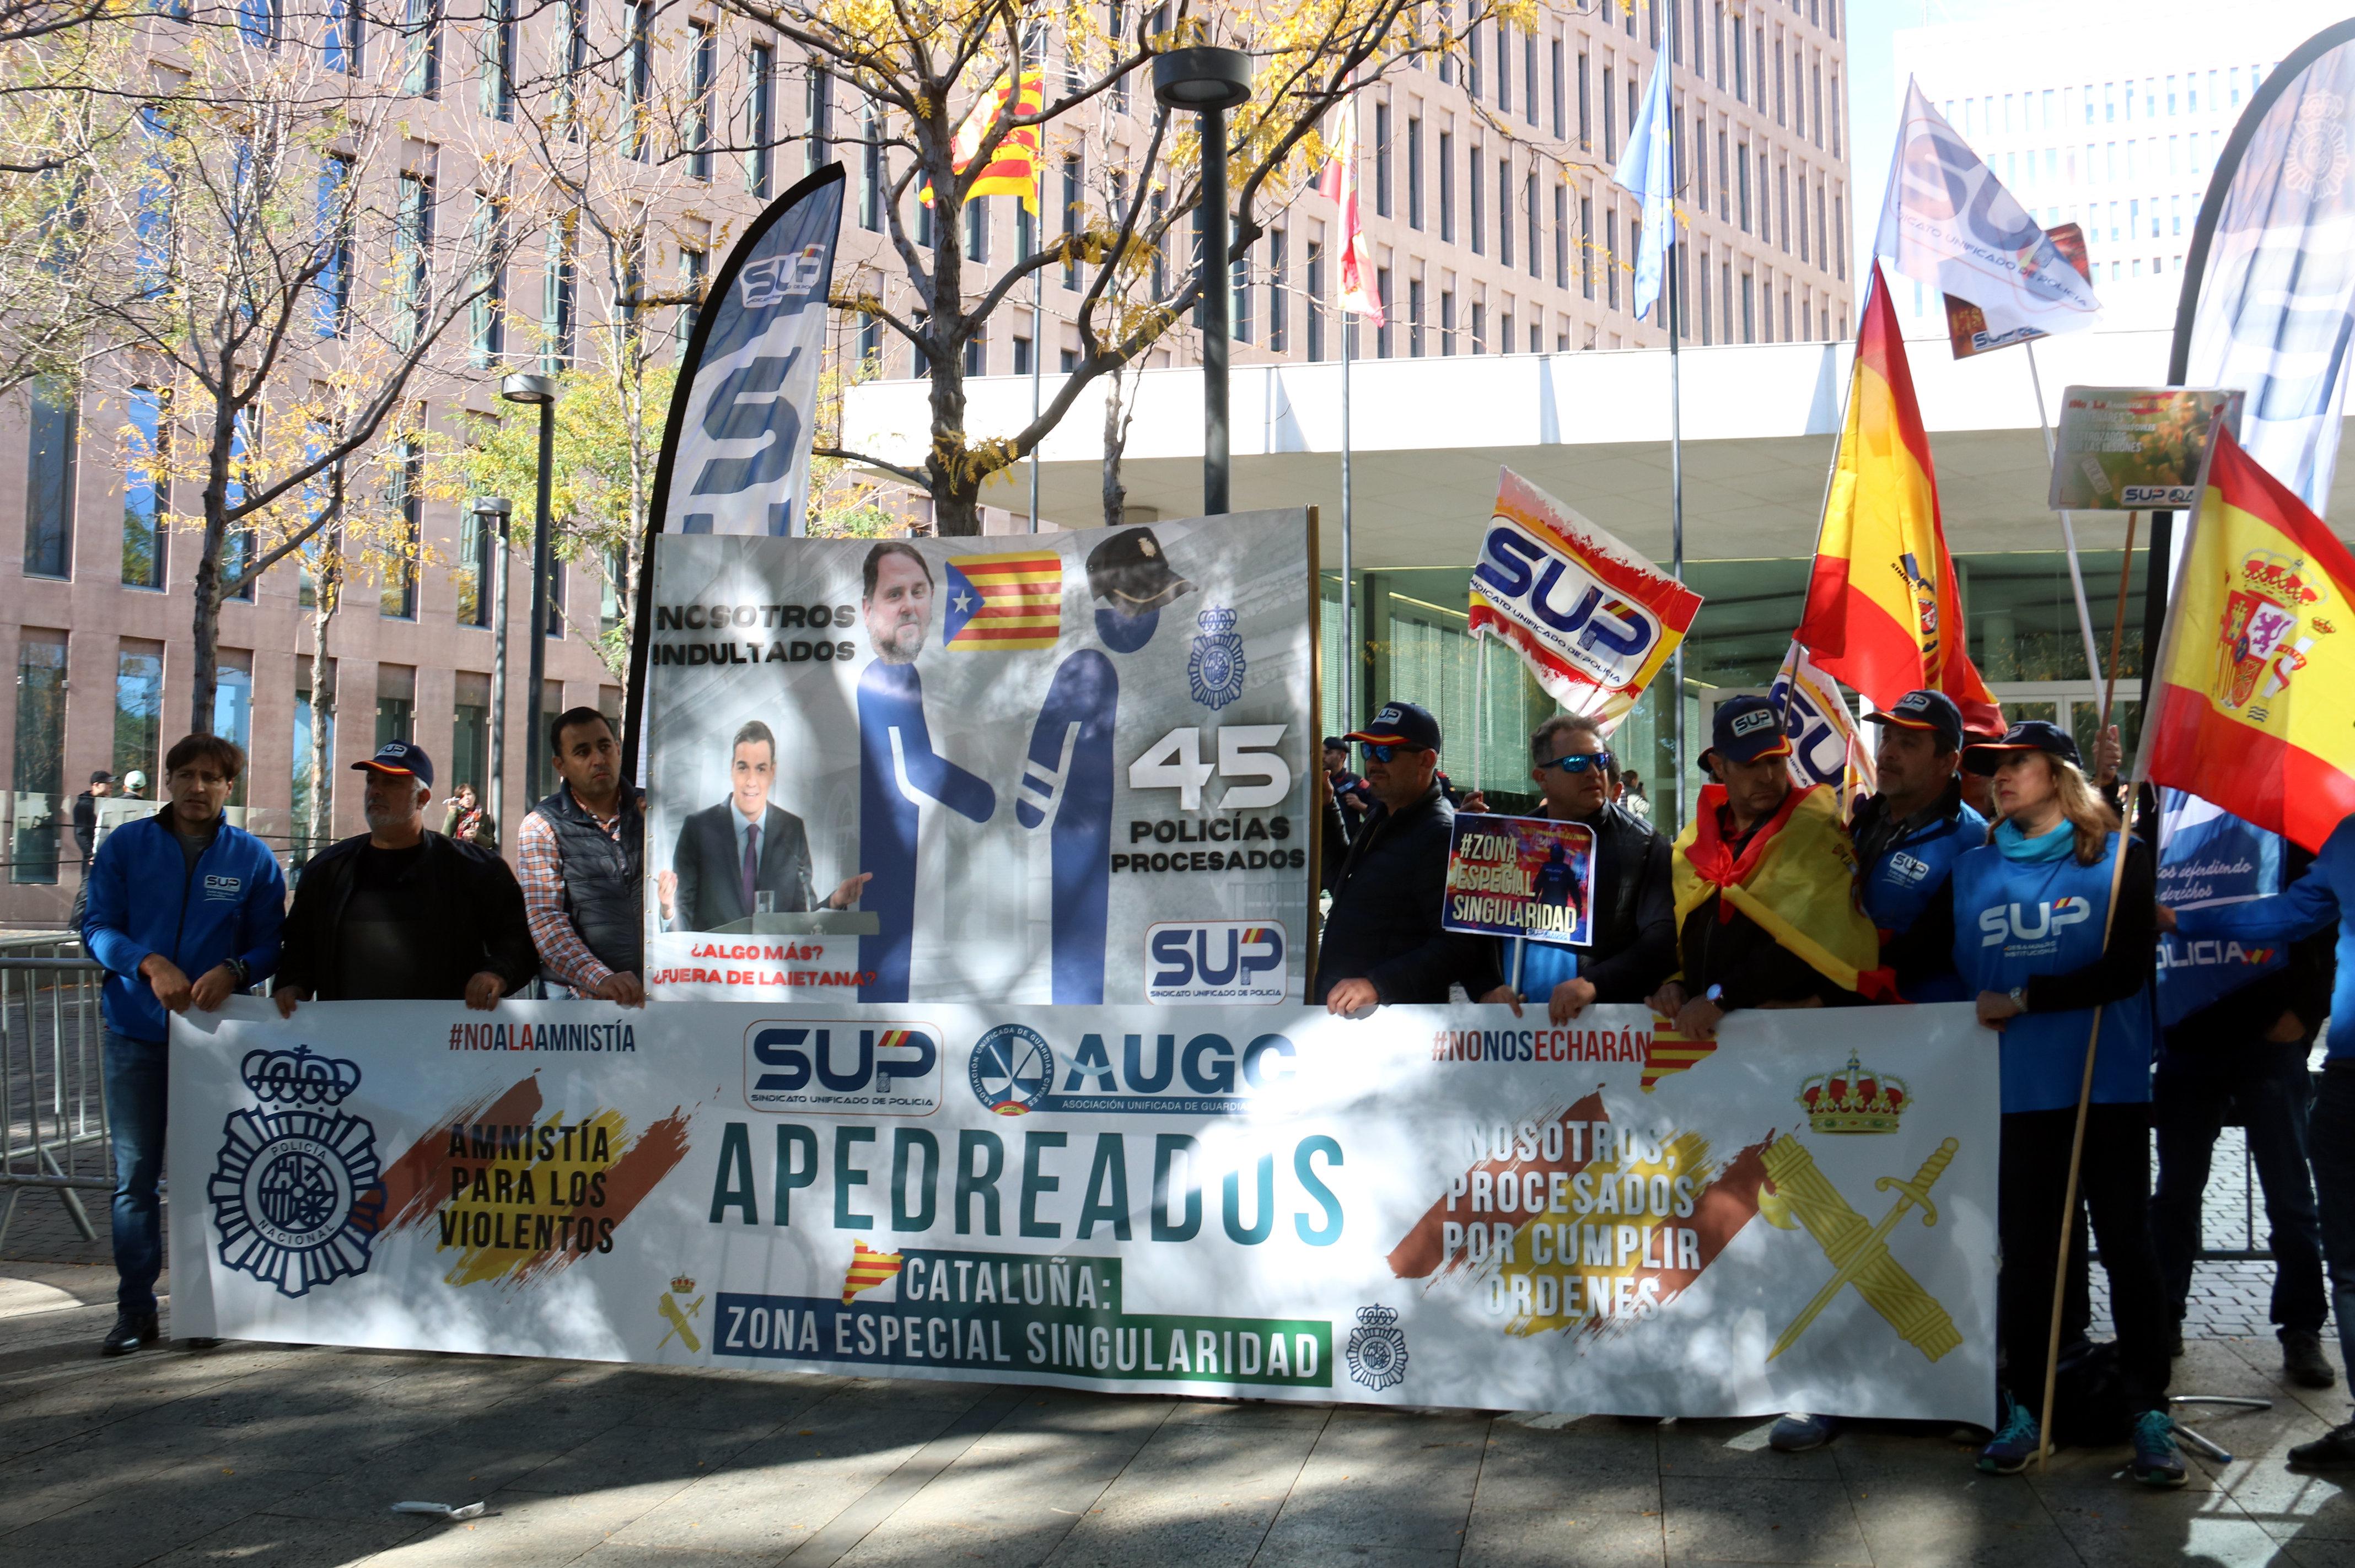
x: 280, y: 1457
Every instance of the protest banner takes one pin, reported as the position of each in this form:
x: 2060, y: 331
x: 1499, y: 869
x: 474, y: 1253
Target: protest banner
x: 1593, y: 621
x: 2208, y: 856
x: 1073, y: 768
x: 1432, y: 1207
x: 2133, y: 449
x: 1521, y: 876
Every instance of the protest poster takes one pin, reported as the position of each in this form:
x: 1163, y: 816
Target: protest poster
x: 1431, y: 1206
x: 2206, y: 856
x: 1071, y: 767
x: 1521, y: 876
x: 2135, y: 448
x: 1593, y: 621
x: 1967, y: 324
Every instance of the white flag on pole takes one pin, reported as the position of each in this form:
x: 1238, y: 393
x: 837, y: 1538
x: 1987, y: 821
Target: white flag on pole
x: 1339, y: 181
x: 1946, y: 221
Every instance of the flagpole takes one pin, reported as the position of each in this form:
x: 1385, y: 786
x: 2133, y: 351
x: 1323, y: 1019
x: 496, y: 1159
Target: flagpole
x: 1350, y: 650
x: 2069, y: 538
x: 1038, y: 363
x: 1676, y: 482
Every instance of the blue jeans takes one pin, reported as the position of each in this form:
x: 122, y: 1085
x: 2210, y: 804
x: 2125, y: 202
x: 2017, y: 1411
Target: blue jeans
x: 2333, y: 1130
x: 2265, y: 1087
x: 136, y: 1095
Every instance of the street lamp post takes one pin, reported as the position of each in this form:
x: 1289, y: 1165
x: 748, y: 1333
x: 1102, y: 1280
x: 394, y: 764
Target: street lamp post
x: 491, y: 514
x: 1210, y: 81
x: 541, y: 391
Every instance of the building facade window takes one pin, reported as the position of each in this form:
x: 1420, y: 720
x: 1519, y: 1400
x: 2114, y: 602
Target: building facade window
x: 1382, y: 161
x: 51, y: 457
x: 702, y: 80
x: 760, y: 114
x: 138, y: 709
x: 233, y: 708
x: 469, y: 733
x: 396, y: 705
x: 1316, y: 260
x: 39, y: 776
x: 146, y: 490
x: 1414, y: 171
x: 396, y: 598
x: 1279, y: 309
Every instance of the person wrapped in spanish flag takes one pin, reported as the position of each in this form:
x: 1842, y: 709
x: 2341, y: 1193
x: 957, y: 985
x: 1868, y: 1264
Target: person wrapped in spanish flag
x: 1765, y: 887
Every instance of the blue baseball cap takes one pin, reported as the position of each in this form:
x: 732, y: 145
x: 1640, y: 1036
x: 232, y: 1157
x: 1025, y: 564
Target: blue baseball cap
x: 1401, y: 724
x: 401, y: 757
x: 2028, y: 734
x: 1745, y: 729
x: 1932, y: 711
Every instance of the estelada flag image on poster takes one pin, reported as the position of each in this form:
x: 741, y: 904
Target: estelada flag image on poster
x: 1883, y: 611
x: 2253, y: 703
x: 1593, y: 621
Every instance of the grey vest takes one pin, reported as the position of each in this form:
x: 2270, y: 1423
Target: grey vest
x: 602, y: 879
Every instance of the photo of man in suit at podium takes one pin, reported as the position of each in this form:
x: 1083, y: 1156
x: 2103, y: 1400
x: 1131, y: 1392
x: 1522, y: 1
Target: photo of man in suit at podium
x: 744, y: 858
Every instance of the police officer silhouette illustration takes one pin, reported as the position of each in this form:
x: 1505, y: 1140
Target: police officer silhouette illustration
x: 896, y: 762
x: 1069, y: 773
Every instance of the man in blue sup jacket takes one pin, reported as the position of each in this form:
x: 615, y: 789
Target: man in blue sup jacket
x: 183, y: 910
x: 894, y: 743
x: 1908, y: 838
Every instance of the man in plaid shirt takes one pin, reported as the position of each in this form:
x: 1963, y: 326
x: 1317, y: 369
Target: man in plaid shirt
x: 581, y: 857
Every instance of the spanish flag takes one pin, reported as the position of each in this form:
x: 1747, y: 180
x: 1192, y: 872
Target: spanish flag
x: 1795, y: 877
x: 1883, y: 613
x: 869, y: 1269
x: 1013, y: 166
x: 2252, y: 703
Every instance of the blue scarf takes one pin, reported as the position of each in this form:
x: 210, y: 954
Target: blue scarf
x: 2013, y: 844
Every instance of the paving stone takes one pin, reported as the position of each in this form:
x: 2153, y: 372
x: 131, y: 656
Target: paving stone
x: 1382, y: 1482
x: 1197, y: 1492
x: 1722, y: 1518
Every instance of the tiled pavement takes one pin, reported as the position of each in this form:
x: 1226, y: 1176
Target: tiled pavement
x: 288, y: 1457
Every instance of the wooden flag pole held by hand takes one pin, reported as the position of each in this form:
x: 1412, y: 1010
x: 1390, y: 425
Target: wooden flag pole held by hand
x: 2118, y: 630
x: 2077, y: 1142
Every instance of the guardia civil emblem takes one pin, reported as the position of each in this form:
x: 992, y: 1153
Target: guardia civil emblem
x: 1377, y: 1348
x: 1215, y: 668
x: 297, y: 1192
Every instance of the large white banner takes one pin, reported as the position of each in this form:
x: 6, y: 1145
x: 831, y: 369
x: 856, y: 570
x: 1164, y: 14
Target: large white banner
x: 1431, y: 1206
x: 1073, y: 768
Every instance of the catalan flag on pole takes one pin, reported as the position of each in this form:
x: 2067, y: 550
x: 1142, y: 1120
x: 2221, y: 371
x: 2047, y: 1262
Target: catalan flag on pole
x: 1883, y: 612
x: 2252, y: 701
x: 997, y: 603
x: 869, y: 1269
x: 1013, y: 166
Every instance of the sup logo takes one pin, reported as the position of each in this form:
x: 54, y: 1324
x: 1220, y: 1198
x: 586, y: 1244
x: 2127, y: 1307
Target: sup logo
x: 1377, y: 1348
x: 843, y: 1067
x: 1575, y: 611
x: 2031, y: 922
x: 296, y: 1192
x: 1014, y: 1071
x: 1214, y: 961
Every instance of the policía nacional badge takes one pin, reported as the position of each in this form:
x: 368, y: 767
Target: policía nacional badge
x: 297, y: 1192
x: 1214, y: 671
x: 1377, y: 1348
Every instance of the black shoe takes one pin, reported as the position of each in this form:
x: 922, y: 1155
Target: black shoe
x: 131, y: 1332
x: 2334, y: 1450
x: 2302, y: 1359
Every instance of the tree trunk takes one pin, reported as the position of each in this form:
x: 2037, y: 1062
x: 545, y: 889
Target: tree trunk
x: 205, y: 620
x: 1116, y: 442
x: 321, y: 826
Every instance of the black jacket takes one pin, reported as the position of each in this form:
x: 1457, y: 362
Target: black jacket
x: 480, y: 925
x: 1635, y: 910
x: 711, y: 879
x: 85, y: 823
x: 1388, y: 885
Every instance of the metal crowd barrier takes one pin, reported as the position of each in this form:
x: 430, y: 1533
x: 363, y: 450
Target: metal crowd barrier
x: 53, y: 1131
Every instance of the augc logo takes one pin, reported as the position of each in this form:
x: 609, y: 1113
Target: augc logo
x: 1014, y: 1071
x: 2038, y: 922
x: 843, y: 1067
x: 1214, y: 961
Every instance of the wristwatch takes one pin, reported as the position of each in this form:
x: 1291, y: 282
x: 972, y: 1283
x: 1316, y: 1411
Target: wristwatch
x: 2019, y: 997
x: 239, y: 971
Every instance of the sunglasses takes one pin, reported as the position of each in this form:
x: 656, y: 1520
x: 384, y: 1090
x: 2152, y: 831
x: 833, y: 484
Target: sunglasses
x: 1387, y: 751
x: 1579, y: 762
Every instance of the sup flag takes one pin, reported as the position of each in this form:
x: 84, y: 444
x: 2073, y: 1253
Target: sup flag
x: 1827, y: 744
x: 1947, y: 222
x: 2252, y: 697
x: 1013, y: 166
x: 1883, y: 612
x: 1593, y: 621
x: 869, y: 1269
x: 735, y: 458
x: 997, y: 603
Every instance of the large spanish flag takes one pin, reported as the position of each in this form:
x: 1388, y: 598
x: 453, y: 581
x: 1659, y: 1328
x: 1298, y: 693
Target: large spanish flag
x: 1883, y: 612
x: 2253, y: 703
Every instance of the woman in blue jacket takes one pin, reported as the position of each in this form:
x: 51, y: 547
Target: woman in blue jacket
x: 2035, y: 939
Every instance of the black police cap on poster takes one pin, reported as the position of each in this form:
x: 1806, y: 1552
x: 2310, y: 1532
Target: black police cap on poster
x: 1130, y: 570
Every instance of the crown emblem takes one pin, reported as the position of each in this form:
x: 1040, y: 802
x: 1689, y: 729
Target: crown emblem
x: 1376, y: 1317
x: 298, y: 1078
x: 680, y: 1285
x: 1218, y: 618
x: 2265, y: 570
x: 1853, y: 1099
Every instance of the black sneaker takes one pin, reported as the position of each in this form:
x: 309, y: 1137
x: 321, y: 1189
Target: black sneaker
x: 2302, y: 1360
x: 131, y: 1332
x: 2334, y: 1450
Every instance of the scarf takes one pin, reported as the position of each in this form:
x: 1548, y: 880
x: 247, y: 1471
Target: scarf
x: 2055, y: 843
x: 1795, y: 877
